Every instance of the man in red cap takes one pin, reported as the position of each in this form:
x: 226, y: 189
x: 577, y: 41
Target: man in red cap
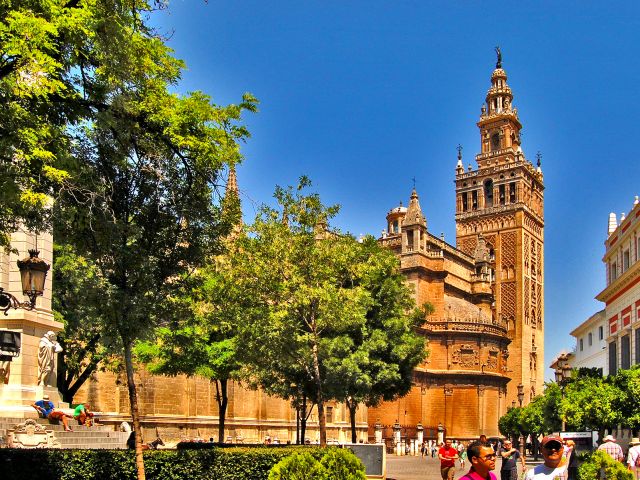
x: 554, y: 465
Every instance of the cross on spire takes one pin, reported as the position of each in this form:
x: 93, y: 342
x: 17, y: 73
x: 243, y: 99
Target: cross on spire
x: 539, y: 158
x: 459, y: 148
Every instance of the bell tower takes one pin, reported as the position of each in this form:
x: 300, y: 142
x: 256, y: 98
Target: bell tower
x: 502, y: 199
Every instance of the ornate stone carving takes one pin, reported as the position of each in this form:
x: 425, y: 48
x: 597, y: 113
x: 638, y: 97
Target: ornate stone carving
x: 466, y: 356
x: 492, y: 359
x: 31, y: 434
x: 508, y: 300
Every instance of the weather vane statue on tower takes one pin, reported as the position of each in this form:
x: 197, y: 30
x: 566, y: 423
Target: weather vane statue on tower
x: 499, y: 54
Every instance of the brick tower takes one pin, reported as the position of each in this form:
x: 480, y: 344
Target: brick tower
x: 502, y: 199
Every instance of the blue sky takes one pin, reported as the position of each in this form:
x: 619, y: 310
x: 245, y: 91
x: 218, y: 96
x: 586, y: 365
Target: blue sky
x: 362, y: 96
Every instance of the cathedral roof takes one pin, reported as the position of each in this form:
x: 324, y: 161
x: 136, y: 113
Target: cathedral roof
x: 414, y: 214
x: 399, y: 209
x: 462, y: 310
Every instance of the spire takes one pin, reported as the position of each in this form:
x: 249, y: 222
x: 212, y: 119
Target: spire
x: 414, y: 214
x: 231, y: 201
x: 499, y: 60
x: 232, y: 182
x: 459, y: 166
x: 499, y: 123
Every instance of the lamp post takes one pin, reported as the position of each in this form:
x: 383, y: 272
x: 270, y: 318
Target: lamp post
x: 33, y: 273
x: 563, y: 374
x: 520, y: 400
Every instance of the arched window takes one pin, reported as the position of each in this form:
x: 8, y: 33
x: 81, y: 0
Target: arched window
x: 488, y: 193
x: 495, y: 141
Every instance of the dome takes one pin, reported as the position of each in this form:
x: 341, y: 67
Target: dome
x: 499, y: 73
x: 461, y: 310
x: 398, y: 209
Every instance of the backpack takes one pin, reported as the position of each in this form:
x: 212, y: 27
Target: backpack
x: 638, y: 460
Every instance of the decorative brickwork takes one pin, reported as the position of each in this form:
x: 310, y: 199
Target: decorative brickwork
x: 509, y: 215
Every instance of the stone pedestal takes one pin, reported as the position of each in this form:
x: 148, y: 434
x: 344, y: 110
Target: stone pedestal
x: 21, y: 391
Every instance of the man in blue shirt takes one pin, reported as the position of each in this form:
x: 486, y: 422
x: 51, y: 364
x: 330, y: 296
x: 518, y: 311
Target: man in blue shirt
x: 46, y: 408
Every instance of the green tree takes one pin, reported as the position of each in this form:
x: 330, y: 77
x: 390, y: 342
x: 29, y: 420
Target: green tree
x: 375, y: 362
x: 589, y: 404
x: 60, y: 63
x: 511, y: 423
x: 77, y: 303
x: 200, y: 339
x: 311, y: 302
x: 541, y: 415
x: 627, y: 382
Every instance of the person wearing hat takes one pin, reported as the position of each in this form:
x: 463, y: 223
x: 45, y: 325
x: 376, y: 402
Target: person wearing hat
x: 612, y: 448
x: 46, y: 409
x: 633, y: 458
x: 510, y: 457
x: 554, y: 466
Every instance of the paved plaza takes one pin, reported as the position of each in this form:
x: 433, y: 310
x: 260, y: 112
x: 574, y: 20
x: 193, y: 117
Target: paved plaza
x: 416, y: 468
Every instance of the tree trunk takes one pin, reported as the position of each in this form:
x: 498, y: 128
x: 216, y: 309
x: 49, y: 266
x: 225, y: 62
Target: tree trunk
x: 297, y: 423
x: 352, y: 406
x: 303, y: 419
x: 223, y: 400
x: 133, y: 402
x: 322, y: 421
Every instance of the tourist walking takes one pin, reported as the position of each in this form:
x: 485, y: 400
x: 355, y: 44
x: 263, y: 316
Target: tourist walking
x: 448, y: 456
x: 482, y: 458
x: 554, y: 466
x: 633, y: 457
x: 612, y: 448
x: 510, y: 457
x: 463, y: 456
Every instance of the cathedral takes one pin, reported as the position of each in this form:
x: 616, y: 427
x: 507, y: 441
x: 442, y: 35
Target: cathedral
x: 485, y: 335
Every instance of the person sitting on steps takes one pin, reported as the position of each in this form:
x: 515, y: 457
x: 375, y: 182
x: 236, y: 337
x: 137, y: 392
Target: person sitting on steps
x: 83, y: 415
x: 46, y: 408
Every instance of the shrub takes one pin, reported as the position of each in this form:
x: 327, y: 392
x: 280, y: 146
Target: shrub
x: 599, y: 460
x: 299, y: 466
x: 342, y: 464
x: 335, y: 464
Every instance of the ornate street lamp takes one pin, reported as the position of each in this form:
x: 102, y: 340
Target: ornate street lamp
x: 520, y: 400
x: 563, y: 375
x: 33, y: 273
x: 520, y: 394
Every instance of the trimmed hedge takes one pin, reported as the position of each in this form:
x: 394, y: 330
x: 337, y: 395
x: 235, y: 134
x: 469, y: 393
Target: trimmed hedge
x: 217, y: 463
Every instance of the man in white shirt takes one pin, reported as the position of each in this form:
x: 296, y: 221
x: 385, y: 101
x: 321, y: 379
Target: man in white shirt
x: 554, y: 466
x: 633, y: 458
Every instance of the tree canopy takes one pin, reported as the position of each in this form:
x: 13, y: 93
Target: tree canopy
x: 315, y: 308
x: 94, y: 141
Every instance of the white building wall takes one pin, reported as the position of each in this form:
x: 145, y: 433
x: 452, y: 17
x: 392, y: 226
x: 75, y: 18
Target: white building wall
x: 591, y: 343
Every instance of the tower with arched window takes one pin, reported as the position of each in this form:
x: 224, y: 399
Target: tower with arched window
x: 502, y: 199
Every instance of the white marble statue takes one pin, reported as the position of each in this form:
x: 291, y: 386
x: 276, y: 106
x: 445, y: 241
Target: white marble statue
x: 47, y: 350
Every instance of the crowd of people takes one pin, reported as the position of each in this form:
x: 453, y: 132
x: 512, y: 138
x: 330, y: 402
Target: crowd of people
x: 560, y: 459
